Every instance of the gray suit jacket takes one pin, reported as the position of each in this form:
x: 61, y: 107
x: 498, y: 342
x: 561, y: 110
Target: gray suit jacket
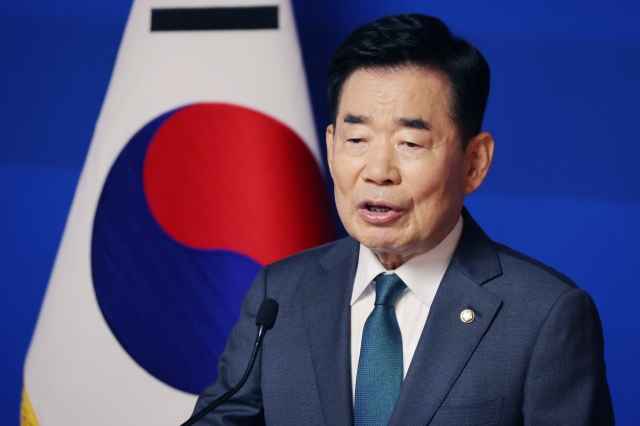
x: 534, y: 354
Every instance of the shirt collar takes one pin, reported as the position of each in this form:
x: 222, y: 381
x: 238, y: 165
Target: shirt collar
x: 422, y: 274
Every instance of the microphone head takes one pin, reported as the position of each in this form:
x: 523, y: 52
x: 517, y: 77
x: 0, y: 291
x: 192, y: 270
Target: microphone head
x: 267, y: 313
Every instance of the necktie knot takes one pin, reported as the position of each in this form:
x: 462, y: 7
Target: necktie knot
x: 388, y: 288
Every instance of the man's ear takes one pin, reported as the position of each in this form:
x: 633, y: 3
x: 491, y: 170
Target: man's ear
x: 329, y: 139
x: 478, y: 157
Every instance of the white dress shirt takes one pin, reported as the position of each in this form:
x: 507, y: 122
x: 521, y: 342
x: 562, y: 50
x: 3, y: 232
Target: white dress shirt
x: 422, y: 275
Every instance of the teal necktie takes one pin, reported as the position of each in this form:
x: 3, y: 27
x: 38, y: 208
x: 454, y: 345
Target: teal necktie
x: 380, y: 366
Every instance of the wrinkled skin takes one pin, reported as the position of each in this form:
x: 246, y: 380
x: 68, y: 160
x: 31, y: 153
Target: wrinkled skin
x: 397, y: 162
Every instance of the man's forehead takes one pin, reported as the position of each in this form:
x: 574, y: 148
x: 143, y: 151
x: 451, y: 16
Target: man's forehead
x: 410, y: 97
x: 376, y: 85
x: 424, y: 71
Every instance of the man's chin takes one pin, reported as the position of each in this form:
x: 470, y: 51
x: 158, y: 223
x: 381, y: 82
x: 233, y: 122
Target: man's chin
x: 381, y: 243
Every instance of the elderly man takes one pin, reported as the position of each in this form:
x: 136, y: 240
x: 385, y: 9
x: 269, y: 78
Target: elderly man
x: 418, y: 317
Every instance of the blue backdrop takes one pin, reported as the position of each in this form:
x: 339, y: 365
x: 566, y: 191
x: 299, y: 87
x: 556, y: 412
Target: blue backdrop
x: 564, y: 186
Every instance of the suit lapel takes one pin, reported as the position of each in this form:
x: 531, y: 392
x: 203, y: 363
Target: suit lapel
x: 446, y: 343
x: 327, y: 319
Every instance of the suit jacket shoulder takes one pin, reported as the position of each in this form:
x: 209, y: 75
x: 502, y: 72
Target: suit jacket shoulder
x: 285, y: 279
x: 533, y: 355
x: 324, y: 256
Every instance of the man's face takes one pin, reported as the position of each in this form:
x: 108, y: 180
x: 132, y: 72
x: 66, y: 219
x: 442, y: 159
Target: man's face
x: 397, y: 163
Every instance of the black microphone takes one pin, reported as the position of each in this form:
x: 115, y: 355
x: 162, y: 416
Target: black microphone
x: 265, y: 319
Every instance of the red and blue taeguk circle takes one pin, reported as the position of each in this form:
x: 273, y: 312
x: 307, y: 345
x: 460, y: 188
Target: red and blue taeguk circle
x: 195, y: 204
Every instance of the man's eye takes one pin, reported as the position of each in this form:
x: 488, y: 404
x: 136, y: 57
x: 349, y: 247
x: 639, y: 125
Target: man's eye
x: 355, y: 140
x: 410, y: 144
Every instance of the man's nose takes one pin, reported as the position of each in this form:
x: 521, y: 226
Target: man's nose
x: 381, y: 164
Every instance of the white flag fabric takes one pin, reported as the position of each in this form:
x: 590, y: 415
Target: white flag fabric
x: 203, y: 167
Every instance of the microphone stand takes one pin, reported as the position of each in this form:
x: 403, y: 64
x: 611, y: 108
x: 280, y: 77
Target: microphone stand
x: 262, y: 329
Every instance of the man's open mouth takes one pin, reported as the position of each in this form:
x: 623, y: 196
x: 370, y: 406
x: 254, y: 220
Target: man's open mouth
x: 378, y: 209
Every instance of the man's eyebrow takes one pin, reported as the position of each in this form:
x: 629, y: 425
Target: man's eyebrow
x: 355, y: 119
x: 415, y: 123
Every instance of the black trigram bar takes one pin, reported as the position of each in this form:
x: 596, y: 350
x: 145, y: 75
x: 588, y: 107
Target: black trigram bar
x: 215, y: 18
